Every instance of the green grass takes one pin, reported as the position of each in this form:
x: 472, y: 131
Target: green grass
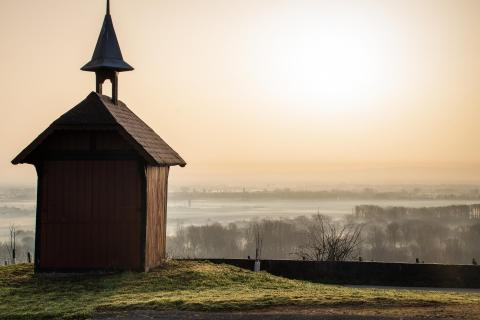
x: 186, y: 286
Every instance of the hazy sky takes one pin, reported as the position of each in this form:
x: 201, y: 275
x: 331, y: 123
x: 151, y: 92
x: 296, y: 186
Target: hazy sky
x: 262, y: 91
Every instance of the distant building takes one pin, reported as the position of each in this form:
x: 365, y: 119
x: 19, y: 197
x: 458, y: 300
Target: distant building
x: 102, y: 179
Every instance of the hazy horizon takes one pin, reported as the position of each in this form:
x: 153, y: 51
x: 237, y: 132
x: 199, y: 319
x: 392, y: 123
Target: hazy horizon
x: 263, y: 92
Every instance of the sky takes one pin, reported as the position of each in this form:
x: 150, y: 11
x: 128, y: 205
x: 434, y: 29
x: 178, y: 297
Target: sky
x: 262, y: 92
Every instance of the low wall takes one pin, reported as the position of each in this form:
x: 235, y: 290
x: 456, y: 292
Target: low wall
x: 368, y: 273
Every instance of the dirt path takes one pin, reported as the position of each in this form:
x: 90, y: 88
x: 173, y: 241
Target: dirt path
x: 308, y: 313
x: 176, y: 315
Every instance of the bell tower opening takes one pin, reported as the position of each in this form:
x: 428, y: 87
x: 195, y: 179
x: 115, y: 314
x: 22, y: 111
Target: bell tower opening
x: 105, y: 80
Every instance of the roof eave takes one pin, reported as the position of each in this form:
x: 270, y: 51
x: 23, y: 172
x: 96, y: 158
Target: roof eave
x: 119, y: 66
x: 22, y: 157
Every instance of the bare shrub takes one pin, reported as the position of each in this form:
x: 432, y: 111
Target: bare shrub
x: 329, y: 241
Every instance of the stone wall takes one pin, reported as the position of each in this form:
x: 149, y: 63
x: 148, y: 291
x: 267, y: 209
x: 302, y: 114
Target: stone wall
x: 368, y: 273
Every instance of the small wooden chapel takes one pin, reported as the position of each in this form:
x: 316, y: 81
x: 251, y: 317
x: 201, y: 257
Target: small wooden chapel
x: 102, y: 179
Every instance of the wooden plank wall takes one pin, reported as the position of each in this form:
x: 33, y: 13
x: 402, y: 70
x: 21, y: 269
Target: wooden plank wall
x: 157, y: 189
x: 90, y: 215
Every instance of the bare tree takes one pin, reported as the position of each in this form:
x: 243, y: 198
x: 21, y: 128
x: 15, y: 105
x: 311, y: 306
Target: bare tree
x: 12, y: 245
x: 393, y: 230
x: 329, y: 241
x: 256, y: 232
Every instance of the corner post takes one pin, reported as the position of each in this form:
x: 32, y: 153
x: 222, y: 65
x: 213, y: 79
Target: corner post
x: 39, y: 167
x: 114, y: 81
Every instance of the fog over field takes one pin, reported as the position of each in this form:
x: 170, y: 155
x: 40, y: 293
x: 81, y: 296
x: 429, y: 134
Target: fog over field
x: 223, y: 208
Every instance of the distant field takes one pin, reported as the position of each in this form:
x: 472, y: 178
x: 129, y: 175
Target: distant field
x: 205, y: 211
x: 206, y: 287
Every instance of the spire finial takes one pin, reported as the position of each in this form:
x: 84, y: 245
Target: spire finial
x: 108, y: 7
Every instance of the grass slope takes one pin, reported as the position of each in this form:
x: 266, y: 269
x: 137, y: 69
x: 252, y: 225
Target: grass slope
x: 188, y: 286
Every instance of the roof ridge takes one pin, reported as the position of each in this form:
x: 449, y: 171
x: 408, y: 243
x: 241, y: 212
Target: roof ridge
x: 123, y: 104
x: 89, y: 113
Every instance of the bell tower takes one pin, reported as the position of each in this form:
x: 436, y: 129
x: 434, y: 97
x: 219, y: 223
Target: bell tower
x: 107, y: 60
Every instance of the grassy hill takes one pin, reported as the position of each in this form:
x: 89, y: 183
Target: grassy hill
x: 184, y: 285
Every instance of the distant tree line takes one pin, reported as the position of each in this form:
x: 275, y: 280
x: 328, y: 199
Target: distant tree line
x: 308, y: 238
x: 421, y: 239
x: 413, y: 239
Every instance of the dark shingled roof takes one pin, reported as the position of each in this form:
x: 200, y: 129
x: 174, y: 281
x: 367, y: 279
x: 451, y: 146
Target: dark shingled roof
x: 99, y: 111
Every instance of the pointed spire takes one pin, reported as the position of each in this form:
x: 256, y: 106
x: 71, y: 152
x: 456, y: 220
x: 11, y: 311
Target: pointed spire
x: 107, y: 54
x: 107, y: 60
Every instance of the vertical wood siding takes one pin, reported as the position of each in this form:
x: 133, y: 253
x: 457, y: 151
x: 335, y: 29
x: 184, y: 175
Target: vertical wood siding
x: 90, y: 215
x: 157, y: 187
